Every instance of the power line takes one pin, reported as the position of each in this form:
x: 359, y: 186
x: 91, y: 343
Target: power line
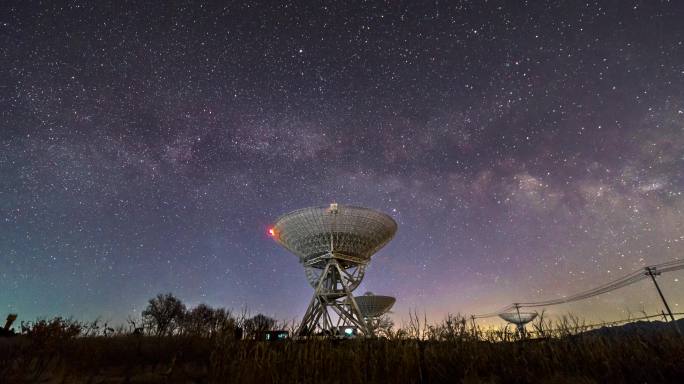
x: 493, y: 314
x: 621, y: 282
x: 586, y: 327
x: 613, y: 285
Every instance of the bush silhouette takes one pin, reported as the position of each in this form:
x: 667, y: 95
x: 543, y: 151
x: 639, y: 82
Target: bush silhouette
x: 164, y: 314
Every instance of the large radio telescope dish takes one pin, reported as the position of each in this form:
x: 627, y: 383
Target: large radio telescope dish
x: 334, y: 244
x: 354, y: 232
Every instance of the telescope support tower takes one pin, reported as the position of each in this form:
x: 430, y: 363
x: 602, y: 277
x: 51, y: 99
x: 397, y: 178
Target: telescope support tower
x: 334, y: 292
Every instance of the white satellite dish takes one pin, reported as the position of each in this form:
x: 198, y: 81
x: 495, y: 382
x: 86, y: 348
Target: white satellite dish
x: 334, y: 244
x: 520, y: 319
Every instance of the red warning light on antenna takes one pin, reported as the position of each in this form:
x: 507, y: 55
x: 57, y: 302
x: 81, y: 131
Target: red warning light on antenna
x: 271, y: 231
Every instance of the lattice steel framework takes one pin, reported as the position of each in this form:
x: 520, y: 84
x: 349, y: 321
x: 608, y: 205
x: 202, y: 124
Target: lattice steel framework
x: 334, y: 244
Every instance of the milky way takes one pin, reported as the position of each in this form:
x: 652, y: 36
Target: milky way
x: 526, y: 151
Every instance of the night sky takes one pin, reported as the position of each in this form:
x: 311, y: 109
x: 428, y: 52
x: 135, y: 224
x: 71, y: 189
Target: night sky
x: 527, y: 151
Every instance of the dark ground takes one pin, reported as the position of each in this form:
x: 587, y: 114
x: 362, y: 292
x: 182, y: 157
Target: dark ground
x: 653, y: 357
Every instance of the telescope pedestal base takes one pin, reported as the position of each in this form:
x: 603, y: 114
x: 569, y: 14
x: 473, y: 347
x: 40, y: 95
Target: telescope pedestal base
x: 333, y: 304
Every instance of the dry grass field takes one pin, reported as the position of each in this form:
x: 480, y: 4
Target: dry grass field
x: 451, y: 352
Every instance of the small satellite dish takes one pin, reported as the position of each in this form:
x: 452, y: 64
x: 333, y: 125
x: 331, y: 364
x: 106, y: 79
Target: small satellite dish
x: 372, y: 306
x: 520, y: 319
x: 516, y: 318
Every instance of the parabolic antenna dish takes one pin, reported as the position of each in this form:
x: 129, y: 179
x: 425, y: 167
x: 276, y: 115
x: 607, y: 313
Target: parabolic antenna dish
x: 354, y: 232
x: 335, y: 244
x: 521, y: 318
x: 372, y: 305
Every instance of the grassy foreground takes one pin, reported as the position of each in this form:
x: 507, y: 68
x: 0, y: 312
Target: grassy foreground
x: 653, y: 357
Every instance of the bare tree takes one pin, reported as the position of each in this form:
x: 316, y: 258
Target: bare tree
x: 258, y: 324
x: 199, y: 320
x: 381, y: 326
x: 7, y: 329
x: 205, y: 321
x: 164, y: 314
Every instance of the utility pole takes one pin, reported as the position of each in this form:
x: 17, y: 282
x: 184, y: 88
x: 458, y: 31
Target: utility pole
x: 472, y: 319
x: 651, y: 271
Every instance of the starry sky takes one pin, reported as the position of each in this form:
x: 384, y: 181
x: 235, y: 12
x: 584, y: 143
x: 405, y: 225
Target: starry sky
x: 527, y: 150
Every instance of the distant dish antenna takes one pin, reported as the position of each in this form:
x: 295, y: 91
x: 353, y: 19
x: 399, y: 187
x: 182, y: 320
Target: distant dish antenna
x: 372, y: 308
x: 334, y: 244
x: 520, y: 319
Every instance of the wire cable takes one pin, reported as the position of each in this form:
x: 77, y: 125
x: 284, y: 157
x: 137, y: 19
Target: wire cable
x: 636, y: 276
